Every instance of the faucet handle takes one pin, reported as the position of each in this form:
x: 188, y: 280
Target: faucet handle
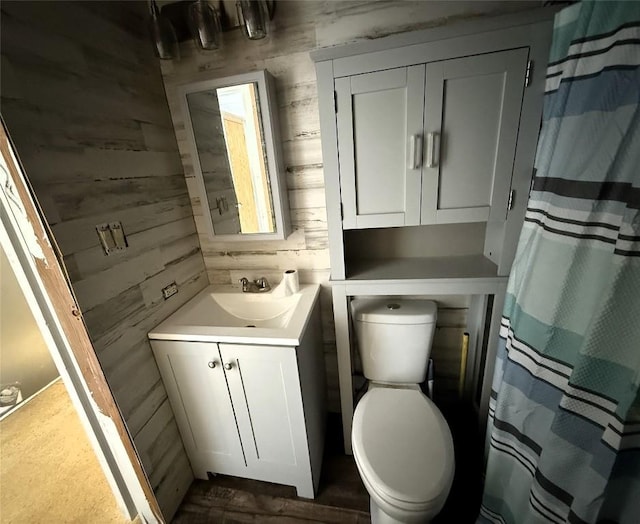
x: 263, y: 284
x: 244, y: 282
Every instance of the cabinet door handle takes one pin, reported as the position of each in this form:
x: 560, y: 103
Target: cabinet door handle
x: 212, y: 364
x: 433, y: 148
x: 415, y: 151
x: 228, y: 366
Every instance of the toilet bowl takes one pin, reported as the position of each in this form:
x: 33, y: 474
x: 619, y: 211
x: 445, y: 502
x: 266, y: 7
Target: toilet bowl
x: 404, y: 453
x: 401, y: 442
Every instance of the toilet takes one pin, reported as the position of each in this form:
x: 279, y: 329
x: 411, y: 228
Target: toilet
x: 401, y: 443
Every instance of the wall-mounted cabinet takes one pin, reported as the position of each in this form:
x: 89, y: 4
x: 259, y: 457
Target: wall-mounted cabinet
x: 434, y: 127
x: 431, y: 143
x: 234, y: 145
x: 428, y: 143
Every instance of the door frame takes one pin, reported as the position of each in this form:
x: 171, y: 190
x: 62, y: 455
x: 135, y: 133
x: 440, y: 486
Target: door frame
x: 26, y: 239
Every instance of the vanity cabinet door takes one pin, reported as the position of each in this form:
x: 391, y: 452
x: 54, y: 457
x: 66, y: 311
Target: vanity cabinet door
x: 193, y: 375
x: 265, y: 388
x: 379, y: 125
x: 472, y: 115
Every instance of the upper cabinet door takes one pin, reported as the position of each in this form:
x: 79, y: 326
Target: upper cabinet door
x: 379, y: 123
x: 471, y: 124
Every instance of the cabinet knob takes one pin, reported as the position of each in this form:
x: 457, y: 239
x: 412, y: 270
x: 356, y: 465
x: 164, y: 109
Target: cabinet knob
x: 228, y: 366
x: 212, y: 364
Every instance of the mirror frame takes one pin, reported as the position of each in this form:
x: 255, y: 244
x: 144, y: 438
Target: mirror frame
x: 270, y: 126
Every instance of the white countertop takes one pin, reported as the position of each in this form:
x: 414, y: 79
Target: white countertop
x: 202, y: 320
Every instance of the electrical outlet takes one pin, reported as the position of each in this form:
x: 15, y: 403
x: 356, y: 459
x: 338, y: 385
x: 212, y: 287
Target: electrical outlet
x: 169, y: 290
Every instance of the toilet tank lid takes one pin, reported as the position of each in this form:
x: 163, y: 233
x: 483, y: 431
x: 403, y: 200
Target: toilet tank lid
x: 390, y: 310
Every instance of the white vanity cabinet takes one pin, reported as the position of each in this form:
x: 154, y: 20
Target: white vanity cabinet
x: 430, y: 143
x: 244, y: 410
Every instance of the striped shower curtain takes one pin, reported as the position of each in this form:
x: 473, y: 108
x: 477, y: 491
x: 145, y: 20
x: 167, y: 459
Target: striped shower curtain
x: 564, y: 415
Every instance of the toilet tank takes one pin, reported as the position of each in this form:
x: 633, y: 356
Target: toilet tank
x: 394, y: 337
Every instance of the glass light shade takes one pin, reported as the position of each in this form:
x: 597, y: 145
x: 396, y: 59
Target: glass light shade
x: 253, y: 16
x: 163, y: 36
x: 204, y: 23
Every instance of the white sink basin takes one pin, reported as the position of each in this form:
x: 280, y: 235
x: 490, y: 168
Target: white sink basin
x: 225, y: 314
x: 263, y: 309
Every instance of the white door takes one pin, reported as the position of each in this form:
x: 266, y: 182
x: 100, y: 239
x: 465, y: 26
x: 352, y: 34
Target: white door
x: 265, y: 388
x: 472, y: 115
x: 195, y: 381
x: 379, y: 121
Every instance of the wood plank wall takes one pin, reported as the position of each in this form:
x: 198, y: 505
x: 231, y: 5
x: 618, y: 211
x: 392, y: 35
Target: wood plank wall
x: 83, y: 100
x: 298, y: 27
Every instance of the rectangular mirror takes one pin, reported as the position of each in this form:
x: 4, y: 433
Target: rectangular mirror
x: 232, y: 131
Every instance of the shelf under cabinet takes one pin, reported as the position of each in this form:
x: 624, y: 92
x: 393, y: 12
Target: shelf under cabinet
x: 423, y: 268
x: 469, y: 274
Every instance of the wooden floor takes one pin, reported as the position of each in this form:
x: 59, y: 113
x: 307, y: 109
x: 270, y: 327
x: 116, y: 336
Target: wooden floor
x: 342, y: 497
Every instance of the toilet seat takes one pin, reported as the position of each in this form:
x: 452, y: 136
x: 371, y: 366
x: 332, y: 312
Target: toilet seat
x: 403, y: 448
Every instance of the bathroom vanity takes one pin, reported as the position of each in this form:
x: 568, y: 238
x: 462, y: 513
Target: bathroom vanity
x: 428, y: 142
x: 245, y: 377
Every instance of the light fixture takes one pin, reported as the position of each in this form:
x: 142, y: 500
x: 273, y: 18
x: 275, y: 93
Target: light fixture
x: 204, y: 21
x: 253, y: 16
x: 204, y: 24
x: 163, y: 36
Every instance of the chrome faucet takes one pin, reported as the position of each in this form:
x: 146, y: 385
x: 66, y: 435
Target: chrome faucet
x: 259, y: 285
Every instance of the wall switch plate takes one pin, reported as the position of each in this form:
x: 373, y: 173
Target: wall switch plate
x: 118, y: 235
x: 112, y: 237
x: 106, y: 238
x: 169, y: 290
